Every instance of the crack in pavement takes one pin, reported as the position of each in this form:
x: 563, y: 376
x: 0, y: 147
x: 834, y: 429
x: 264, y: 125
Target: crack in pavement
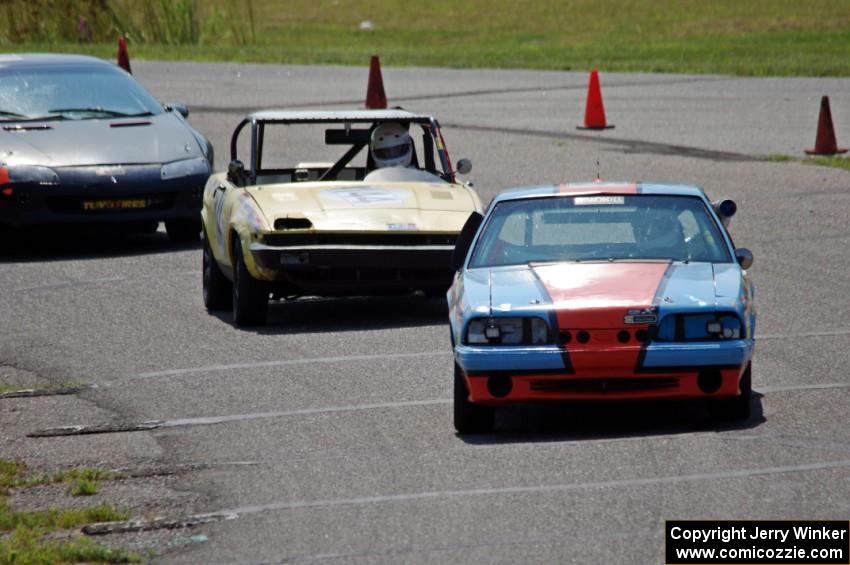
x: 201, y: 108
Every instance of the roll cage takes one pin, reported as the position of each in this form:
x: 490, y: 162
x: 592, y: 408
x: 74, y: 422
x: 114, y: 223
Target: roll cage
x: 433, y: 146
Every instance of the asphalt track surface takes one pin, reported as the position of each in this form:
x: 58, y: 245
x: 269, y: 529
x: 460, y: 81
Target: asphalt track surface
x: 327, y: 434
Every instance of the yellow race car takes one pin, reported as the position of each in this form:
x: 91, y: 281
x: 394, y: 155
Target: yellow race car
x: 331, y: 203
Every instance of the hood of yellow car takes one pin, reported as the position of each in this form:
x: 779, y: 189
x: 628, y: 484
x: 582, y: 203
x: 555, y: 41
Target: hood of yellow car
x: 368, y: 206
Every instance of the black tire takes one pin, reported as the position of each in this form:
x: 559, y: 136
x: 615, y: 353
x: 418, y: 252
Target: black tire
x: 470, y: 418
x: 737, y: 408
x: 217, y: 289
x: 250, y: 296
x: 183, y: 230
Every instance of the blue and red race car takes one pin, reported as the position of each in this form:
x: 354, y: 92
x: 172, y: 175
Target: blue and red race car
x: 600, y: 291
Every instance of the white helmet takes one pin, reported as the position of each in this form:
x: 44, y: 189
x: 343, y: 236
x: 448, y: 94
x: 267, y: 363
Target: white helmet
x: 664, y: 234
x: 391, y: 146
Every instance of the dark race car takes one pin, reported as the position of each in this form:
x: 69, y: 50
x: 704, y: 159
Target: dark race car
x: 81, y: 141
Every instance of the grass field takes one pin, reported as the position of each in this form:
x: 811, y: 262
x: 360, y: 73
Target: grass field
x: 757, y: 37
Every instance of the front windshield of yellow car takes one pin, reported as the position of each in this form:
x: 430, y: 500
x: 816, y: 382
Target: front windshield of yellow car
x: 600, y: 228
x: 72, y: 92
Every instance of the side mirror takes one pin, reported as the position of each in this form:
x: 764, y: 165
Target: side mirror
x: 464, y: 166
x: 464, y: 239
x: 181, y: 109
x: 744, y: 257
x: 235, y: 171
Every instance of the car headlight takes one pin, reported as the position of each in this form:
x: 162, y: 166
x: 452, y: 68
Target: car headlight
x: 699, y: 327
x: 28, y: 174
x: 185, y: 168
x: 508, y: 331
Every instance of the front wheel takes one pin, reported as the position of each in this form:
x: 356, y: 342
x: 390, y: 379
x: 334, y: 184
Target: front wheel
x: 217, y: 288
x: 183, y: 230
x: 250, y: 296
x: 470, y: 418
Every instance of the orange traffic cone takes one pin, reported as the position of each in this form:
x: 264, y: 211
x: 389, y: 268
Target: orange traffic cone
x: 825, y: 143
x: 594, y: 112
x: 123, y: 56
x: 375, y: 96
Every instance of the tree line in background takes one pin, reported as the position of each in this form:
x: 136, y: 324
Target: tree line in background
x: 165, y: 22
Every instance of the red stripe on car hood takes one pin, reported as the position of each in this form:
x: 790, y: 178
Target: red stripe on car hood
x: 597, y: 295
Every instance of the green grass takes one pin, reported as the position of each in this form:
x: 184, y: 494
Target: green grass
x: 15, y: 475
x: 28, y: 547
x: 26, y: 540
x: 758, y: 37
x: 57, y: 519
x: 4, y: 387
x: 834, y: 161
x: 82, y: 487
x: 779, y: 158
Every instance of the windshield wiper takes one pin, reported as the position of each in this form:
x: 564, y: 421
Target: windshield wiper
x: 15, y: 117
x: 101, y: 110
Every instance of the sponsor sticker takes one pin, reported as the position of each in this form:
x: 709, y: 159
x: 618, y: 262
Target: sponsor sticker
x: 599, y: 200
x: 641, y: 316
x: 402, y: 227
x: 115, y: 171
x: 367, y: 195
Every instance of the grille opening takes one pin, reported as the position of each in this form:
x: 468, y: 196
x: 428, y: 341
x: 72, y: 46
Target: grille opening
x: 603, y: 385
x: 642, y: 336
x: 566, y: 337
x: 377, y: 238
x: 583, y: 336
x: 292, y: 224
x: 623, y: 336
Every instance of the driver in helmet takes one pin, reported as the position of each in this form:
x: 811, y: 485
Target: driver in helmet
x: 391, y: 146
x: 663, y: 237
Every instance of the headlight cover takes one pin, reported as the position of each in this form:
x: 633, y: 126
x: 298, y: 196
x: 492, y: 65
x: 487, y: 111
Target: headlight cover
x: 28, y: 174
x: 185, y: 168
x: 508, y: 331
x: 714, y: 326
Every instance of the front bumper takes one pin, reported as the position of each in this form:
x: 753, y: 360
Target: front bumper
x: 85, y: 196
x: 498, y: 375
x: 334, y: 269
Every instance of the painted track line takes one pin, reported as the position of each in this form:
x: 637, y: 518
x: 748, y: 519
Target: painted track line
x: 211, y: 420
x: 281, y: 363
x: 536, y: 489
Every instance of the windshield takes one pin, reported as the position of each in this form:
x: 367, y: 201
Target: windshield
x: 600, y: 228
x: 72, y: 92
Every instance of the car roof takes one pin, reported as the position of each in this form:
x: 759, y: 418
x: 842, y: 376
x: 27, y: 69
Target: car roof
x: 598, y: 187
x: 330, y: 116
x: 11, y: 60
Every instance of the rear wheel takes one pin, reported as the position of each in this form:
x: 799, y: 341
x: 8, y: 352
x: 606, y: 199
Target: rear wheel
x: 737, y: 408
x: 470, y: 418
x: 217, y: 288
x: 183, y: 230
x: 250, y: 296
